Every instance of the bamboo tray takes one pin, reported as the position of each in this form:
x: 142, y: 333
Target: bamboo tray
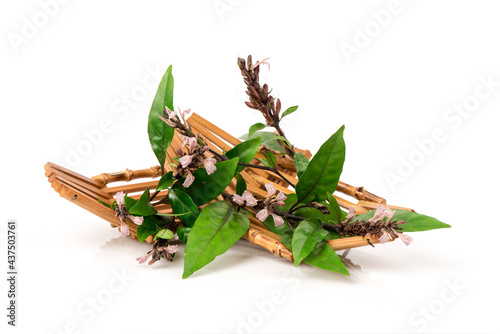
x: 85, y: 192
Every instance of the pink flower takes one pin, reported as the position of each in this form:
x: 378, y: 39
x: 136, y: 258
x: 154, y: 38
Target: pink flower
x: 136, y: 220
x: 144, y: 258
x: 120, y: 200
x: 170, y: 113
x: 251, y: 201
x: 209, y: 164
x: 185, y: 112
x: 262, y: 214
x: 350, y: 214
x: 191, y: 141
x: 278, y: 221
x: 172, y: 249
x: 124, y: 228
x: 186, y: 160
x: 176, y: 237
x: 384, y: 238
x: 238, y: 199
x: 270, y: 190
x: 279, y: 200
x: 404, y: 238
x: 189, y: 180
x: 122, y: 213
x: 263, y: 61
x: 381, y: 213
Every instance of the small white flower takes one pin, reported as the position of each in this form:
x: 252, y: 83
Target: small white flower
x: 136, y: 220
x: 189, y: 180
x: 262, y: 214
x: 172, y: 249
x: 270, y: 189
x: 251, y: 201
x: 384, y: 238
x: 404, y: 238
x: 238, y: 199
x: 278, y: 221
x: 209, y: 164
x: 186, y: 160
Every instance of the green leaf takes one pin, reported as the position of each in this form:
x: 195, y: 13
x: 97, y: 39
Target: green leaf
x: 323, y: 172
x: 271, y: 159
x: 305, y: 237
x: 265, y: 162
x: 323, y: 256
x: 301, y: 163
x: 111, y: 206
x: 129, y: 202
x: 415, y: 222
x: 207, y: 187
x: 289, y: 111
x: 254, y: 128
x: 334, y: 207
x: 241, y: 185
x: 149, y: 226
x: 218, y: 227
x: 183, y: 233
x: 143, y: 207
x: 280, y: 230
x: 245, y: 151
x: 164, y: 234
x: 312, y: 213
x: 286, y: 239
x: 268, y: 139
x: 165, y: 181
x: 160, y: 134
x: 183, y: 204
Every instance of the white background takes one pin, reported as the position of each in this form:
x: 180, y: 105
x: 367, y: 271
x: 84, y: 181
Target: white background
x: 76, y: 69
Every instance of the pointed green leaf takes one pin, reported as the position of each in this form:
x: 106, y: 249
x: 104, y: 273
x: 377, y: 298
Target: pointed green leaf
x: 254, y: 128
x: 289, y: 111
x: 149, y: 226
x: 111, y: 206
x: 245, y: 151
x: 207, y: 187
x: 323, y: 172
x: 183, y: 233
x: 241, y: 185
x: 286, y: 239
x: 265, y: 162
x: 165, y: 181
x: 218, y: 227
x: 143, y: 207
x: 271, y: 159
x: 164, y: 234
x: 129, y: 202
x: 160, y: 134
x: 415, y: 222
x: 334, y: 207
x: 183, y: 206
x: 323, y: 256
x: 268, y: 139
x: 301, y: 163
x: 305, y: 237
x: 280, y: 230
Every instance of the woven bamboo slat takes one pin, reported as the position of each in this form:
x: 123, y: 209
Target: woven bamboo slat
x: 85, y: 192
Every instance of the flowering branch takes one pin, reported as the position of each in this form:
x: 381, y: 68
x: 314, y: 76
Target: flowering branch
x: 261, y: 98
